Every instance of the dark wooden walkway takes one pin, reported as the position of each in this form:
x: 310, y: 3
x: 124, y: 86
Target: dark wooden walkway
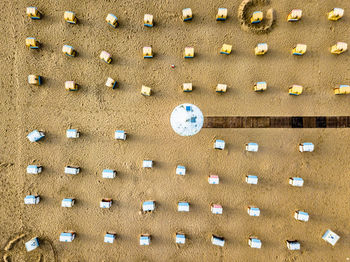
x: 276, y: 122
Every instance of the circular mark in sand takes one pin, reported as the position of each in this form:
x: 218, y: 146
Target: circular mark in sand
x: 245, y: 11
x: 15, y: 250
x: 186, y: 120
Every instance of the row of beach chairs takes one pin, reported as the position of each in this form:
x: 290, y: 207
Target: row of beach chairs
x: 226, y: 49
x: 261, y: 86
x: 187, y: 15
x: 149, y: 206
x: 180, y: 170
x: 180, y: 238
x: 36, y: 136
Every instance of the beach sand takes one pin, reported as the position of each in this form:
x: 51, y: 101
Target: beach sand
x: 98, y: 111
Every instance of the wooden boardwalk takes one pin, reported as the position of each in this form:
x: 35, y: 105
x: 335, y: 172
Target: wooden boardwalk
x: 277, y: 122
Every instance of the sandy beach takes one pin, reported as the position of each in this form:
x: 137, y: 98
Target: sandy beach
x: 97, y: 111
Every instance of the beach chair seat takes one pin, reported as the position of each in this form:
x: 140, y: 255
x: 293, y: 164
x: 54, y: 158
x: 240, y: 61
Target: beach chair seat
x: 189, y: 52
x: 296, y: 181
x: 339, y: 48
x: 226, y: 49
x: 294, y: 15
x: 112, y: 20
x: 299, y: 49
x: 34, y: 80
x: 68, y: 236
x: 217, y: 241
x: 216, y: 209
x: 295, y: 90
x: 301, y: 216
x: 253, y: 211
x: 33, y: 13
x: 34, y: 169
x: 221, y: 88
x: 306, y: 147
x: 72, y: 170
x: 70, y: 17
x: 260, y: 86
x: 342, y: 90
x: 68, y: 202
x: 32, y: 43
x: 180, y: 238
x: 35, y: 136
x: 32, y: 200
x: 69, y: 50
x: 111, y: 83
x: 330, y: 237
x: 293, y: 245
x: 145, y: 240
x: 148, y: 20
x: 257, y: 17
x: 187, y: 87
x: 261, y: 49
x: 106, y: 203
x: 109, y: 173
x: 71, y: 86
x: 148, y: 206
x: 147, y: 164
x: 186, y: 14
x: 254, y: 242
x: 32, y: 244
x: 106, y: 57
x: 147, y: 52
x: 219, y: 144
x: 222, y: 14
x: 120, y: 135
x: 251, y: 179
x: 181, y: 170
x: 252, y: 147
x: 213, y: 179
x: 335, y: 14
x: 72, y: 133
x: 183, y: 207
x: 109, y: 237
x: 146, y: 91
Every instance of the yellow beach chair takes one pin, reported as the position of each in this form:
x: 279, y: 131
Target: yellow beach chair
x: 71, y: 86
x: 261, y: 49
x: 189, y: 52
x: 70, y: 17
x: 146, y: 91
x: 187, y: 87
x: 342, y: 90
x: 69, y: 50
x: 335, y: 14
x: 148, y: 20
x: 294, y: 15
x: 112, y: 20
x: 295, y: 90
x: 222, y: 14
x: 226, y: 49
x: 260, y: 86
x: 34, y: 80
x: 186, y: 14
x: 339, y: 48
x: 33, y: 13
x: 147, y: 52
x: 257, y: 17
x: 106, y: 57
x: 221, y: 88
x: 32, y: 43
x: 299, y: 49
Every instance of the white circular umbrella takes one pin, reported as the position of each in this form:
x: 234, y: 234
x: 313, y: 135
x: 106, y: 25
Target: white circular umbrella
x: 186, y: 120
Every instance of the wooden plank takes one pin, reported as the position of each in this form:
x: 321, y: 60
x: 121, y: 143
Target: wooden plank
x: 276, y: 122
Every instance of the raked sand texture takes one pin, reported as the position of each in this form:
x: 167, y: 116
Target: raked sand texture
x: 97, y: 111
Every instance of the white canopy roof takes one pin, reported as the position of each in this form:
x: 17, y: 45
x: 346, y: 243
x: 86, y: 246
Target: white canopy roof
x: 186, y: 120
